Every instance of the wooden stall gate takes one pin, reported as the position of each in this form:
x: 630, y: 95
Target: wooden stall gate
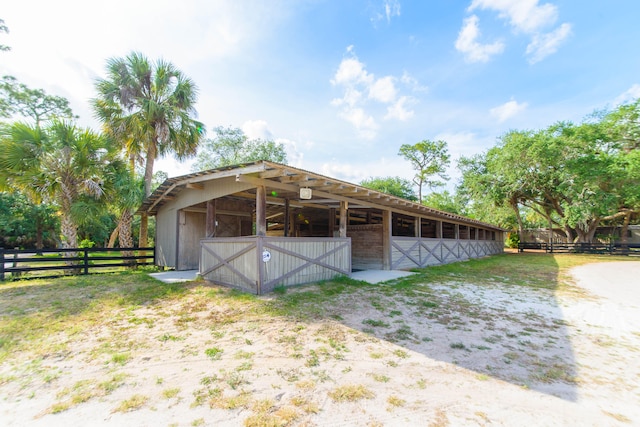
x: 413, y: 252
x: 258, y: 264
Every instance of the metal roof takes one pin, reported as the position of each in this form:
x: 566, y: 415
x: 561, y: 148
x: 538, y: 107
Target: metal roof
x: 287, y: 181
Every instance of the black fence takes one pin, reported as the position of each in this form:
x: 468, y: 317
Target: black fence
x: 59, y: 262
x: 583, y: 248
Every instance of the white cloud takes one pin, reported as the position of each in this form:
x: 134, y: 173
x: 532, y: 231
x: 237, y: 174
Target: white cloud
x: 350, y: 172
x: 359, y: 109
x: 412, y: 82
x: 294, y: 156
x: 524, y: 15
x: 364, y: 123
x: 383, y: 89
x: 629, y: 95
x: 507, y: 110
x: 351, y: 71
x: 399, y: 109
x: 257, y: 129
x: 473, y: 50
x: 543, y: 45
x: 387, y: 10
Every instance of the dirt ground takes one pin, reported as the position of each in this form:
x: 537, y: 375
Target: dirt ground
x: 449, y: 354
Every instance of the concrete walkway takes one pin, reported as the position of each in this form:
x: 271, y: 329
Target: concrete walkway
x: 370, y: 276
x: 378, y: 276
x: 175, y: 276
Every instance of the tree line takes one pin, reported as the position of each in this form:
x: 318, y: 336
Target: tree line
x: 68, y: 186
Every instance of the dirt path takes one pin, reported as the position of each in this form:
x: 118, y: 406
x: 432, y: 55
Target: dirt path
x: 452, y: 354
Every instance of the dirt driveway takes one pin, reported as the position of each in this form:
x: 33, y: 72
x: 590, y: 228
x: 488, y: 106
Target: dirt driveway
x: 435, y: 355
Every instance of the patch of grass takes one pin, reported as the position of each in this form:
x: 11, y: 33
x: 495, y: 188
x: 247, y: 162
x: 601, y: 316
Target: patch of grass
x: 375, y: 323
x: 214, y: 353
x: 243, y: 354
x: 170, y: 393
x: 381, y: 378
x: 133, y: 403
x: 305, y: 404
x: 169, y: 337
x: 403, y: 333
x: 235, y: 380
x: 198, y: 422
x: 617, y: 417
x: 312, y: 359
x: 35, y: 310
x: 395, y: 401
x: 457, y: 345
x: 109, y: 386
x: 401, y: 353
x: 306, y: 385
x: 350, y: 393
x: 553, y: 373
x: 120, y: 358
x: 241, y: 400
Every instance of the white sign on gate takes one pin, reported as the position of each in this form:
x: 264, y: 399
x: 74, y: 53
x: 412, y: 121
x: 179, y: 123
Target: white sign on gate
x: 266, y: 256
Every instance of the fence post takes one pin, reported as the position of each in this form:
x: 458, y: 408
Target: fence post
x: 86, y: 261
x: 15, y: 264
x: 1, y: 264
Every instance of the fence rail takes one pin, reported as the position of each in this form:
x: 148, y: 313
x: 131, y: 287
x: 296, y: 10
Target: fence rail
x: 583, y: 248
x: 58, y: 262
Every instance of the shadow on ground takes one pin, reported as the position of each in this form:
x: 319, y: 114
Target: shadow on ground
x: 493, y: 316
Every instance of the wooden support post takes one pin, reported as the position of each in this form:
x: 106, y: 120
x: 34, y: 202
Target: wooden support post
x: 344, y: 206
x: 1, y: 264
x: 211, y: 218
x: 261, y: 211
x: 386, y: 239
x: 456, y: 231
x: 417, y: 225
x: 287, y: 215
x: 332, y: 222
x: 438, y: 229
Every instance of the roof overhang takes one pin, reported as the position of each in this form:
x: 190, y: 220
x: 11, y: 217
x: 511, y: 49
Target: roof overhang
x: 283, y: 182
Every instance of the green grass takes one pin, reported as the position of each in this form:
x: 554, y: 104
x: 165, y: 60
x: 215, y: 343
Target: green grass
x: 40, y: 317
x: 350, y: 393
x: 33, y: 310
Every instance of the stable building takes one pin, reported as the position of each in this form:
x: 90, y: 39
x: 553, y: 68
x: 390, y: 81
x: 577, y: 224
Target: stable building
x: 260, y: 225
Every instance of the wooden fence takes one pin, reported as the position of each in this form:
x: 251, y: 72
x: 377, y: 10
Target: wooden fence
x: 258, y: 264
x: 582, y: 248
x: 412, y: 252
x: 59, y: 262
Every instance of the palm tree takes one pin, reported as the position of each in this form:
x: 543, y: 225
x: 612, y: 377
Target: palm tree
x: 61, y: 162
x: 128, y: 193
x: 149, y: 109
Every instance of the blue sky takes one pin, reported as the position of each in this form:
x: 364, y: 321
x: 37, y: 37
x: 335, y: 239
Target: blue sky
x: 344, y: 83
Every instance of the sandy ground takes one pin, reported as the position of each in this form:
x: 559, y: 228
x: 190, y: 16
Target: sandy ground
x: 455, y: 354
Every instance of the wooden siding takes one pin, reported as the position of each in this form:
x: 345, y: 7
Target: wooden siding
x: 237, y: 261
x: 166, y: 235
x: 413, y: 252
x: 191, y: 228
x: 366, y: 246
x: 167, y: 217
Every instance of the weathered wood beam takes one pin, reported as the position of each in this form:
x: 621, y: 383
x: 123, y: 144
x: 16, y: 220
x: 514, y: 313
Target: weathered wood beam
x: 363, y: 202
x: 272, y: 173
x: 194, y: 186
x: 261, y: 211
x: 287, y: 217
x: 344, y: 206
x: 211, y: 218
